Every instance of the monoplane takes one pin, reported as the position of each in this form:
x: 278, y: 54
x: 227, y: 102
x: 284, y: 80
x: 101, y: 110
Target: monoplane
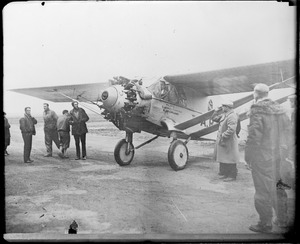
x: 174, y: 106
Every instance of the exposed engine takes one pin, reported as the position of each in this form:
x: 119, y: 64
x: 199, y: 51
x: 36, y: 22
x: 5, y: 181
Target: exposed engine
x: 121, y: 101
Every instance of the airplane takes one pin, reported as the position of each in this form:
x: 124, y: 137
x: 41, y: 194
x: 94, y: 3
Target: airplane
x: 174, y: 106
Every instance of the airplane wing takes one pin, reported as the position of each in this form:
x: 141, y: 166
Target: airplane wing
x: 236, y: 103
x: 198, y: 134
x: 82, y: 92
x: 238, y: 79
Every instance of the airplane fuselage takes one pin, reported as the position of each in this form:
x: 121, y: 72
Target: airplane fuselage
x: 132, y: 110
